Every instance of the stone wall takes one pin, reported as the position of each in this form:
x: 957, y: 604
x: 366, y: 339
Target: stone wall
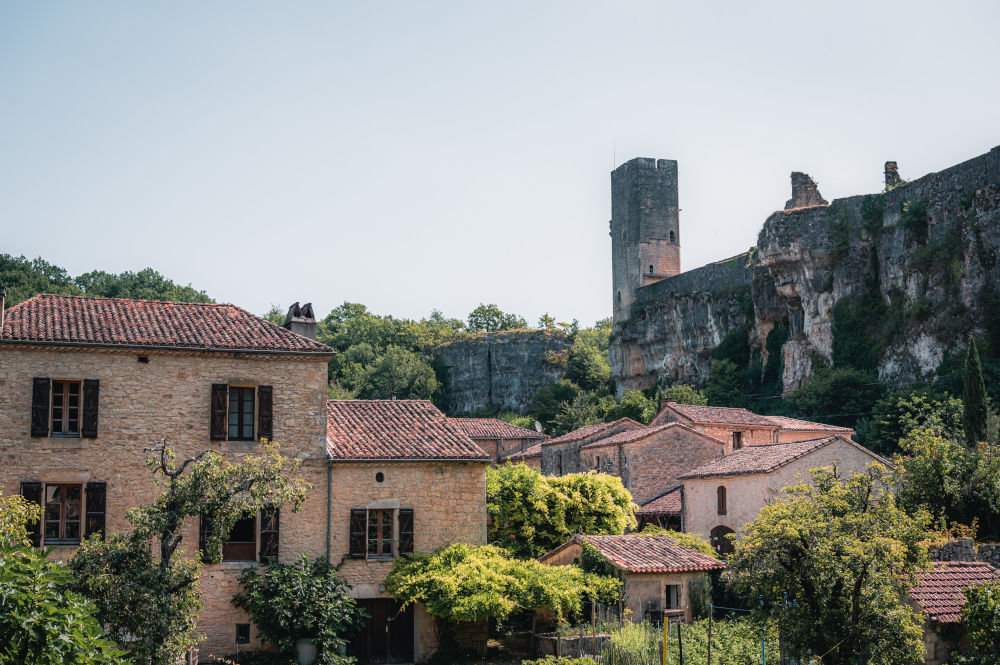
x: 503, y: 369
x: 562, y: 457
x: 966, y: 549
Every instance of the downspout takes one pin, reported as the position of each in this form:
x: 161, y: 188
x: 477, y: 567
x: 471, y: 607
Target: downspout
x: 329, y: 499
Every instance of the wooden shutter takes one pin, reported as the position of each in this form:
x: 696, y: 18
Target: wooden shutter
x: 721, y: 499
x: 96, y: 499
x: 41, y: 390
x: 91, y: 391
x: 359, y: 533
x: 265, y: 405
x: 33, y: 492
x: 406, y: 531
x: 269, y: 534
x: 220, y: 407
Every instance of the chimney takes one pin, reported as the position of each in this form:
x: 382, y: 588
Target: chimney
x: 301, y: 320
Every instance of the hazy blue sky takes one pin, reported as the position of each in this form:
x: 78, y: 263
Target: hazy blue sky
x: 426, y: 155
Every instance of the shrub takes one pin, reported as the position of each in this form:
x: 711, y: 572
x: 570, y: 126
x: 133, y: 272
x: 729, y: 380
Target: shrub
x: 557, y: 660
x: 302, y: 600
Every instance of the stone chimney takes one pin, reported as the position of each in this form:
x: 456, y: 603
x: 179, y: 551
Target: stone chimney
x: 301, y: 320
x: 805, y: 193
x: 892, y: 179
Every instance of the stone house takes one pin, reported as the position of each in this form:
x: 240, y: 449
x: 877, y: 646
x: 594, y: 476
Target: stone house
x: 499, y: 439
x: 561, y: 455
x: 89, y: 384
x: 649, y: 460
x: 656, y: 571
x: 721, y: 496
x: 740, y: 427
x: 531, y: 457
x: 406, y: 479
x: 939, y: 594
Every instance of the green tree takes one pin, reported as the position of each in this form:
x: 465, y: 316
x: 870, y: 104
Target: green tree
x: 634, y: 405
x: 16, y: 513
x: 531, y: 514
x: 842, y: 554
x: 121, y: 575
x: 275, y: 315
x: 976, y: 412
x: 25, y: 278
x: 685, y: 394
x: 490, y: 318
x: 302, y: 600
x: 981, y: 616
x: 588, y: 367
x: 146, y: 284
x: 582, y: 411
x: 838, y: 396
x: 466, y: 583
x: 725, y: 384
x: 546, y: 322
x: 402, y: 374
x: 549, y: 399
x: 896, y: 416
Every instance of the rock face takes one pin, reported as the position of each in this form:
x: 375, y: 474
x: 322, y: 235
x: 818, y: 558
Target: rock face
x: 502, y: 369
x: 914, y: 269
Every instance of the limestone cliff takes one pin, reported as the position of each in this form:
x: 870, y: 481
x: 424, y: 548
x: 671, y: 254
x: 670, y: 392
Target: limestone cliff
x: 892, y: 281
x: 503, y: 369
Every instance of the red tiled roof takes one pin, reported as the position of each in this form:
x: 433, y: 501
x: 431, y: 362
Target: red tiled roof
x: 724, y: 415
x: 939, y: 590
x: 631, y: 435
x: 492, y: 428
x: 665, y: 504
x: 533, y: 451
x: 787, y: 423
x: 648, y: 554
x: 123, y: 322
x: 590, y: 430
x: 764, y: 459
x: 387, y: 429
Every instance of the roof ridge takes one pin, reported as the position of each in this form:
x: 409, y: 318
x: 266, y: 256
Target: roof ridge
x: 120, y: 299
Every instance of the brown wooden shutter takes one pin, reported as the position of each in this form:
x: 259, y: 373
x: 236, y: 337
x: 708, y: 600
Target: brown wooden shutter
x: 220, y: 407
x: 406, y: 531
x: 721, y: 497
x: 41, y: 390
x: 265, y: 405
x: 269, y: 534
x: 91, y: 391
x: 96, y: 501
x: 359, y: 533
x: 33, y: 492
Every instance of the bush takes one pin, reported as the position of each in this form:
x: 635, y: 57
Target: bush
x: 557, y: 660
x: 303, y: 600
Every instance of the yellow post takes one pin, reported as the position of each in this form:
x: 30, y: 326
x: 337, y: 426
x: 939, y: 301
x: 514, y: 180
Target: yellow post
x: 666, y: 634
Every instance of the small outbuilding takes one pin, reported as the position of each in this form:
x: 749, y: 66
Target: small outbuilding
x: 657, y: 571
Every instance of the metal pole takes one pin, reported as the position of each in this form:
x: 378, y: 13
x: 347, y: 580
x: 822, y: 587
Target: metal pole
x: 680, y: 644
x: 666, y: 636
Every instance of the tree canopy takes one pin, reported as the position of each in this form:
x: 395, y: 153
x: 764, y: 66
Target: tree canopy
x: 836, y: 553
x: 490, y: 318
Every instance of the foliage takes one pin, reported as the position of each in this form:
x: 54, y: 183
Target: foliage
x: 466, y: 583
x: 305, y: 599
x: 401, y: 374
x: 981, y: 616
x: 24, y: 278
x: 150, y: 609
x: 899, y: 414
x: 549, y: 399
x: 41, y: 621
x: 634, y: 405
x: 588, y: 366
x: 531, y: 514
x: 693, y: 540
x: 837, y: 396
x: 490, y: 318
x: 957, y: 485
x: 582, y: 411
x: 559, y: 660
x: 974, y: 398
x: 915, y: 218
x: 275, y: 315
x: 841, y: 553
x: 121, y: 574
x: 685, y: 394
x: 16, y: 513
x: 726, y: 384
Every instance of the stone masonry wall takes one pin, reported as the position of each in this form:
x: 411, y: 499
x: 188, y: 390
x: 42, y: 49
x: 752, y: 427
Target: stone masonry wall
x: 167, y: 398
x: 564, y: 457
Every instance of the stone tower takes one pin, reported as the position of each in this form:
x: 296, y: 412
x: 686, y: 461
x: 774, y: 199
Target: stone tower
x: 645, y: 231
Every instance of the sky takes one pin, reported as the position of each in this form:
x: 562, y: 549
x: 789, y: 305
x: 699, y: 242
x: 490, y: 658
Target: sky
x: 415, y: 156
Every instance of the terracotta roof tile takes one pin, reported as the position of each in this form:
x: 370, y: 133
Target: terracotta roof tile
x: 939, y: 590
x: 764, y: 459
x: 533, y: 451
x: 668, y: 503
x: 787, y: 423
x: 650, y: 554
x: 360, y: 429
x: 119, y: 321
x: 492, y: 428
x: 631, y: 435
x: 704, y: 415
x: 590, y: 430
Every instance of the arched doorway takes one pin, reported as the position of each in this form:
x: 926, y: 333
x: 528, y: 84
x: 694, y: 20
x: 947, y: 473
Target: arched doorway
x: 719, y: 541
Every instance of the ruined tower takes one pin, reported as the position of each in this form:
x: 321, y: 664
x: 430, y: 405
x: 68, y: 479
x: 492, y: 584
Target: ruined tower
x: 645, y: 228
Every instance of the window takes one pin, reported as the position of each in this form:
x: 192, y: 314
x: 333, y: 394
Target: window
x: 597, y: 464
x: 381, y: 533
x: 66, y: 408
x: 240, y: 414
x: 242, y: 543
x: 672, y: 236
x: 650, y: 268
x: 233, y: 409
x: 720, y: 495
x: 243, y: 633
x: 737, y: 440
x: 672, y: 596
x: 245, y: 537
x: 63, y: 504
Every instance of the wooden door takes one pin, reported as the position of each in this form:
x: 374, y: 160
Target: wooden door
x: 387, y: 635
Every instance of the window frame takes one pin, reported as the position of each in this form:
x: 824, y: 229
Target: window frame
x: 387, y: 517
x: 62, y: 538
x: 65, y: 420
x: 737, y: 439
x: 241, y: 393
